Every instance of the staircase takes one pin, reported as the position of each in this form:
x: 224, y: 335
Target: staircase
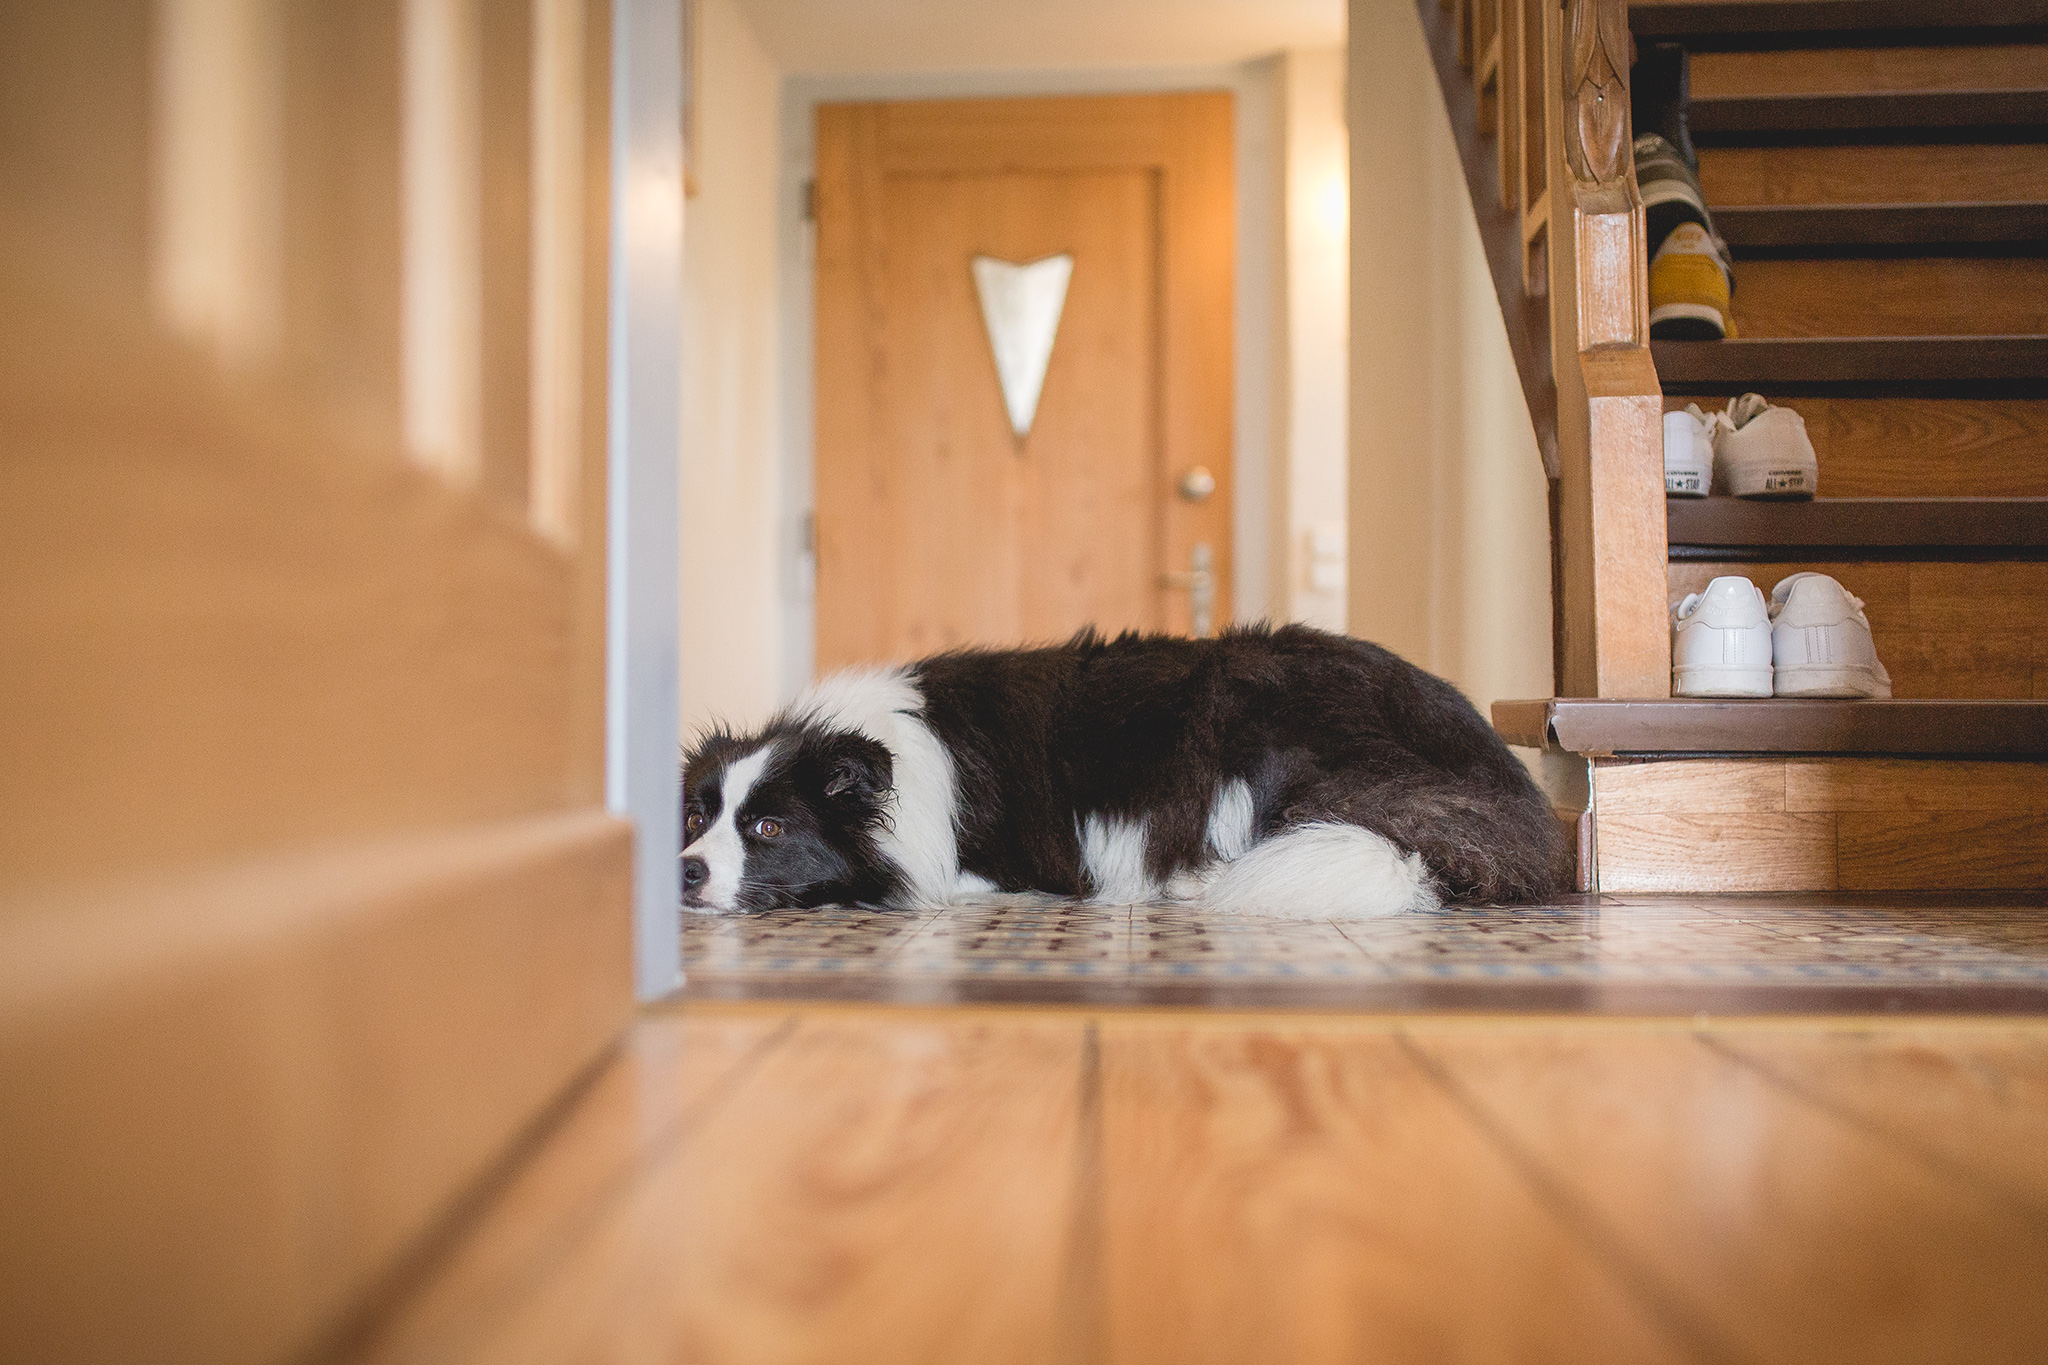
x: 1880, y: 170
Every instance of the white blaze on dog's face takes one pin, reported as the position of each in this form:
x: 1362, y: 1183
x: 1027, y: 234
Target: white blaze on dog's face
x: 714, y: 846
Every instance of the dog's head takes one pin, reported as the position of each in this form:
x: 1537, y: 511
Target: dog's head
x: 785, y: 818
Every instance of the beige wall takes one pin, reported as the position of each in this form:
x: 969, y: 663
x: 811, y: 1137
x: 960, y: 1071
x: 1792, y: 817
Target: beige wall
x: 1449, y: 546
x: 731, y: 459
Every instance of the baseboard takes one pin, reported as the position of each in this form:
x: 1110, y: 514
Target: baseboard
x: 1576, y: 866
x: 232, y: 1104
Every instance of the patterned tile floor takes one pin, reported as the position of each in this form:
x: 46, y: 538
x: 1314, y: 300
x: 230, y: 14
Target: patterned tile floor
x: 1593, y: 953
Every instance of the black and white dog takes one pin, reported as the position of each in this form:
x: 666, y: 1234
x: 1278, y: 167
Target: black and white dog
x: 1283, y: 772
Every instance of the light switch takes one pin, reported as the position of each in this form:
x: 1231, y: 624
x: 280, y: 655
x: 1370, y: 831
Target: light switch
x: 1326, y: 557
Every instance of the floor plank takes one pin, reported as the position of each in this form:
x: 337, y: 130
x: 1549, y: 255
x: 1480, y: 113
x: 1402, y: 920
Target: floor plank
x: 670, y: 1071
x: 892, y: 1191
x: 853, y: 1184
x: 1974, y: 1102
x: 1797, y: 1235
x: 1301, y: 1195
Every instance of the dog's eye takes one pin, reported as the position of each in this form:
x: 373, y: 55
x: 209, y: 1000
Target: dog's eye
x: 693, y: 824
x: 767, y: 828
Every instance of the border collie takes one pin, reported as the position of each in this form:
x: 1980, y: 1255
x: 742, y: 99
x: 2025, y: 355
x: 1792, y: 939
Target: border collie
x: 1284, y: 772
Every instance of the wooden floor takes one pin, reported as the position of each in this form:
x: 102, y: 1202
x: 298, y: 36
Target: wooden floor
x: 765, y: 1183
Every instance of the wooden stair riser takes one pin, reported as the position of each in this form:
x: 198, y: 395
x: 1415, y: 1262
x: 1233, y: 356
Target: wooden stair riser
x: 1921, y: 447
x: 2001, y: 172
x: 1860, y: 70
x: 1912, y: 296
x: 1942, y: 630
x: 1818, y: 824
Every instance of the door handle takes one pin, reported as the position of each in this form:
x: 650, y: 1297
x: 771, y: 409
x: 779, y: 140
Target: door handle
x: 1199, y: 579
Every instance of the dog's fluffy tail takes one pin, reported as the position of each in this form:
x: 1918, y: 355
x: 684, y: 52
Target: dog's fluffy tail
x: 1480, y: 843
x: 1319, y: 870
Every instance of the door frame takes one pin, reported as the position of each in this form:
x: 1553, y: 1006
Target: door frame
x: 643, y: 622
x: 1258, y: 328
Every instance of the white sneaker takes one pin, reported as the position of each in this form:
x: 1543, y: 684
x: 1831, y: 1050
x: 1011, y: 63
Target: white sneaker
x: 1763, y: 452
x: 1688, y: 453
x: 1820, y: 641
x: 1721, y: 642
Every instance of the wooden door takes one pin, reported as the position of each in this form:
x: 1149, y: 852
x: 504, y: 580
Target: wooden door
x: 309, y: 903
x: 937, y: 526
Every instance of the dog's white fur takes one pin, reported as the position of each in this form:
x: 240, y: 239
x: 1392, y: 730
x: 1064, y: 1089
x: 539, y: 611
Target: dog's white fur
x: 918, y: 831
x: 1113, y: 859
x: 1230, y: 820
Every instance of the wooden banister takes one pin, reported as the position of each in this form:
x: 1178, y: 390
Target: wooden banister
x: 1561, y: 215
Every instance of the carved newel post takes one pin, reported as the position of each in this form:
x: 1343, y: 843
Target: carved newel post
x: 1606, y: 206
x: 1612, y: 507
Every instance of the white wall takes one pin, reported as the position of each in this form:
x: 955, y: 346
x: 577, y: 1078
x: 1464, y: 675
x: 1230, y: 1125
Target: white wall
x: 1311, y: 474
x: 1450, y: 536
x: 732, y: 665
x: 890, y: 37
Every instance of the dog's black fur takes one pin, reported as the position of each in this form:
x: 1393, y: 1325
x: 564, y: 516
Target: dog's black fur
x: 1321, y: 728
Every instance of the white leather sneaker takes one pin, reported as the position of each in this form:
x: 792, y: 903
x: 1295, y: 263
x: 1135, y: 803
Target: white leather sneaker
x: 1721, y: 642
x: 1688, y: 453
x: 1763, y: 452
x: 1820, y: 641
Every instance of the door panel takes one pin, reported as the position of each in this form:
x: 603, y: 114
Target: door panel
x: 937, y: 526
x: 990, y: 537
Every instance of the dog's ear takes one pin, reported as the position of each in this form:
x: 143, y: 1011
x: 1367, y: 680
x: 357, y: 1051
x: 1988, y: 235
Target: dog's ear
x: 857, y: 768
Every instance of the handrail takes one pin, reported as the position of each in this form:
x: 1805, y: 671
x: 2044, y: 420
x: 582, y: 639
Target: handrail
x: 1549, y: 87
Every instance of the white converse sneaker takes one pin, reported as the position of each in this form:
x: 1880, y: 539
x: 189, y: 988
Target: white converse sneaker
x: 1820, y: 641
x: 1721, y: 642
x: 1688, y: 453
x: 1763, y: 452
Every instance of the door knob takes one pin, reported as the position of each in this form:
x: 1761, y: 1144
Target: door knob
x: 1197, y: 484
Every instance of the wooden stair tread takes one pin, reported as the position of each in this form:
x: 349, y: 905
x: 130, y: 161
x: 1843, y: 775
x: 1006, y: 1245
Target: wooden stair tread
x: 1750, y: 22
x: 1748, y: 119
x: 1930, y: 528
x: 1751, y: 229
x: 1937, y: 366
x: 1898, y: 729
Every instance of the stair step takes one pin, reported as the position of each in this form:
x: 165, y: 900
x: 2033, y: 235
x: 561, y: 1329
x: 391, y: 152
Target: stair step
x: 1705, y: 24
x: 1934, y: 529
x: 1922, y: 367
x: 1920, y: 115
x: 1797, y: 823
x: 1917, y: 729
x: 1813, y: 229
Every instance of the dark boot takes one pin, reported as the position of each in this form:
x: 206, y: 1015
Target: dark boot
x: 1660, y: 91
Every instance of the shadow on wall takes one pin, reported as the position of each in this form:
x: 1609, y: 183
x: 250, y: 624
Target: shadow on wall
x: 1450, y: 531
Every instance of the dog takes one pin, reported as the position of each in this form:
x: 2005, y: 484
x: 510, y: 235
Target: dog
x: 1280, y: 772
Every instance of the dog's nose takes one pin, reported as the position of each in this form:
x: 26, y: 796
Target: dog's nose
x: 695, y: 870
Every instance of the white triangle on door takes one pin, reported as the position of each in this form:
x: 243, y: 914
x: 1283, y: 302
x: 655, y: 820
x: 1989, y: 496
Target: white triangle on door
x: 1021, y: 306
